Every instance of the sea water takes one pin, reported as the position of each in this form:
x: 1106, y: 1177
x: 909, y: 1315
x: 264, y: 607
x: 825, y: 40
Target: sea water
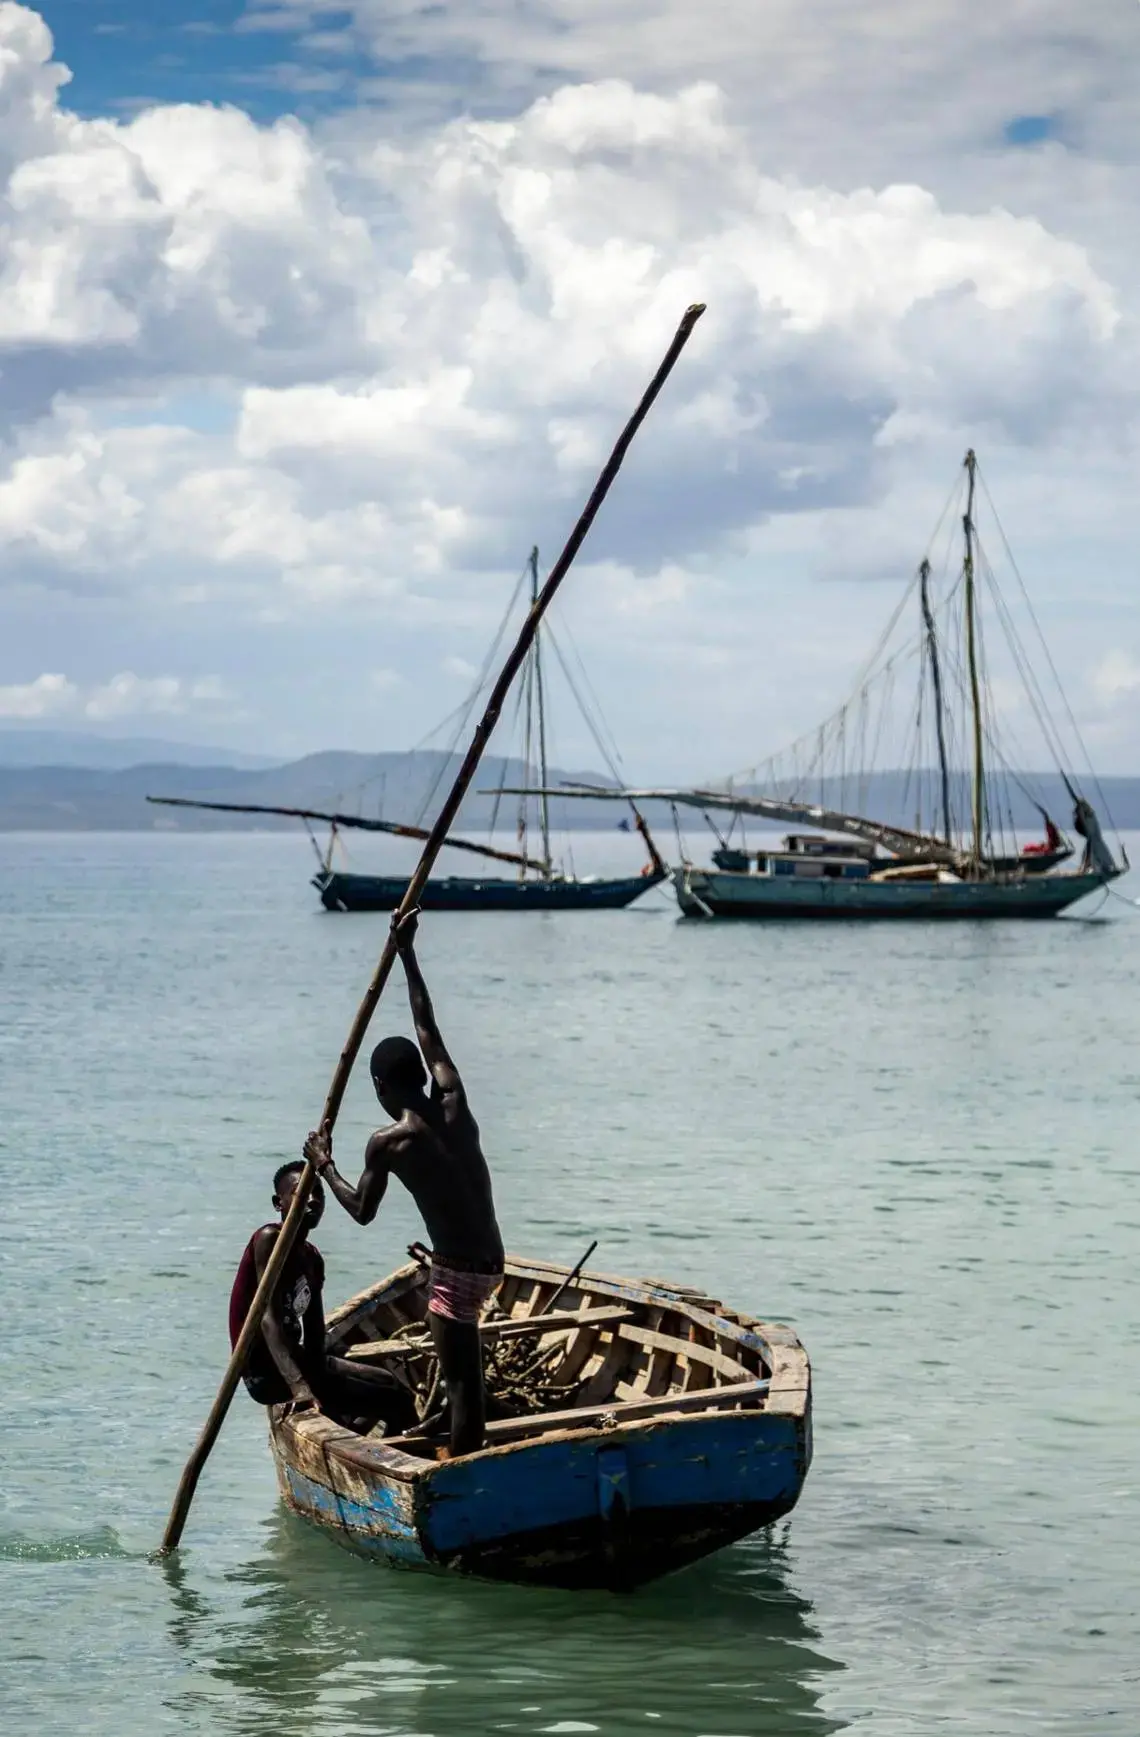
x: 916, y: 1145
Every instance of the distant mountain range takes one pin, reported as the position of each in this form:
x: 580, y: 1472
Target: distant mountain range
x: 64, y: 797
x: 68, y: 798
x: 24, y: 746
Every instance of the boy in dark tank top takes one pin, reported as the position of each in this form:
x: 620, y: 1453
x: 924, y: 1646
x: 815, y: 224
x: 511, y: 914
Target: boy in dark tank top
x: 287, y: 1362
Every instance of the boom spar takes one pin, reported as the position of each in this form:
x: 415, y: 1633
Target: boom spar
x: 359, y: 822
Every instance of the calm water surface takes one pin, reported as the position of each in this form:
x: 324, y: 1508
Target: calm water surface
x: 918, y: 1146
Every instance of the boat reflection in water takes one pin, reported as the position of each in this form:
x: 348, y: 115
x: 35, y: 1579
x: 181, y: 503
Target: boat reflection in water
x: 317, y: 1642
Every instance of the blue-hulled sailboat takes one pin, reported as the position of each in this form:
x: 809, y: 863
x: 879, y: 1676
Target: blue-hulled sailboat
x: 539, y: 883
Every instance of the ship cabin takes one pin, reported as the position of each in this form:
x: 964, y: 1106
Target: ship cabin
x: 804, y: 854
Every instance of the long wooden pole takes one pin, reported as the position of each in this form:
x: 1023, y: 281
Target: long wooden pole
x: 288, y: 1233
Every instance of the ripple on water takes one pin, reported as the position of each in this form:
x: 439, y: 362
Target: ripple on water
x: 100, y: 1545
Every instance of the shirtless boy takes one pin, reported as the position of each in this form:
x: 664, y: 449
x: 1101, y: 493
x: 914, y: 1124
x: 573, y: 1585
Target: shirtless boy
x: 433, y: 1148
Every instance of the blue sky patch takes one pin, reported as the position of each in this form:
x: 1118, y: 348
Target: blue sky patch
x: 128, y: 54
x: 1030, y: 129
x: 203, y: 411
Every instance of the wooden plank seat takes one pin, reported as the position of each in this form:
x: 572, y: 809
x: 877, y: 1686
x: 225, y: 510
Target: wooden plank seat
x: 591, y: 1416
x: 709, y: 1356
x: 534, y: 1327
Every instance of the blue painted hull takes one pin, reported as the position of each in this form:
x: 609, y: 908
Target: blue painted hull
x: 585, y: 1511
x: 351, y: 892
x: 722, y: 893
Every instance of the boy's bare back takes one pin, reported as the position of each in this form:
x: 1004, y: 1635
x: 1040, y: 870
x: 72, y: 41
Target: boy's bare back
x: 435, y: 1152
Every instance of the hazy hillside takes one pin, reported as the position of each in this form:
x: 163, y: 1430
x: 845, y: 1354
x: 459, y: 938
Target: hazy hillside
x: 394, y: 786
x: 20, y: 746
x: 402, y: 786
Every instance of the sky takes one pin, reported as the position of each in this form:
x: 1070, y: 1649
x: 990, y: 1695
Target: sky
x: 316, y: 317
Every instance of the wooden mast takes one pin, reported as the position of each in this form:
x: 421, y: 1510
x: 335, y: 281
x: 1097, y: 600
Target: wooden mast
x: 522, y: 824
x: 936, y: 681
x: 543, y: 780
x: 972, y: 659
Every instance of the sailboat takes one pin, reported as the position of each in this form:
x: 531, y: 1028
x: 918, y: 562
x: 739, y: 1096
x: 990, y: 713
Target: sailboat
x: 961, y: 857
x: 539, y: 885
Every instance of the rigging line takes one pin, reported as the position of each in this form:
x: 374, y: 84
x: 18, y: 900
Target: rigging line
x: 588, y: 719
x: 1036, y: 798
x: 592, y: 721
x: 811, y: 738
x: 948, y: 619
x: 463, y: 711
x: 863, y: 676
x: 598, y: 711
x: 913, y: 761
x: 921, y: 730
x: 503, y: 772
x: 909, y: 774
x: 460, y: 712
x: 956, y: 664
x: 931, y: 664
x: 992, y: 740
x: 989, y: 716
x: 1049, y: 660
x: 465, y: 707
x: 313, y: 842
x: 998, y: 794
x: 868, y: 671
x: 957, y: 490
x: 1007, y: 764
x: 1025, y: 669
x: 1026, y: 760
x: 862, y: 745
x: 681, y: 857
x: 879, y: 730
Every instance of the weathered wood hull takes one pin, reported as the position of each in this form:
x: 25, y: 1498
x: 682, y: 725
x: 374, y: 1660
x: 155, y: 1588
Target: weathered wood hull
x: 610, y: 1501
x: 593, y: 1511
x: 353, y: 892
x: 724, y: 893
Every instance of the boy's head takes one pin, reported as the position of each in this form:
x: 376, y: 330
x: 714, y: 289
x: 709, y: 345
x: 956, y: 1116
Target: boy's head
x: 398, y: 1073
x: 285, y: 1180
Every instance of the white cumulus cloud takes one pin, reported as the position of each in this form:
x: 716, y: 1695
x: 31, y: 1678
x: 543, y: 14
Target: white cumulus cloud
x: 280, y: 374
x: 1117, y: 674
x: 45, y: 697
x: 125, y: 695
x: 432, y: 347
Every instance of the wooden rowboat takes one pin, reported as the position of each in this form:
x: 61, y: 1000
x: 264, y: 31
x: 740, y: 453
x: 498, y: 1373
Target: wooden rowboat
x: 650, y: 1427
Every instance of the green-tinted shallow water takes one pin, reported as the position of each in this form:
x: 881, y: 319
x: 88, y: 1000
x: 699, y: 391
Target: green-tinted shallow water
x: 915, y: 1145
